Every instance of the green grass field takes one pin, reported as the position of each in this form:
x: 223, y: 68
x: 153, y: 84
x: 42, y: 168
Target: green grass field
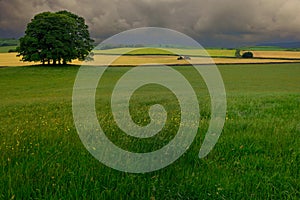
x: 168, y: 51
x: 7, y: 44
x: 7, y: 48
x: 256, y: 157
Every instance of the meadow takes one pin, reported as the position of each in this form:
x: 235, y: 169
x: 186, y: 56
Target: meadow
x: 8, y: 44
x: 256, y: 157
x: 168, y: 51
x: 6, y: 49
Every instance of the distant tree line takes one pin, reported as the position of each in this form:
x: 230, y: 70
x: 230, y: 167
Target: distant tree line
x: 113, y: 46
x: 5, y: 42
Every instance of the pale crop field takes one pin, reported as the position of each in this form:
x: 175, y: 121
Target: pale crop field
x: 277, y: 54
x: 11, y: 59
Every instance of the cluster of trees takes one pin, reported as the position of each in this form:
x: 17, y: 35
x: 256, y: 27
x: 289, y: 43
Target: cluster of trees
x: 247, y: 54
x: 56, y: 38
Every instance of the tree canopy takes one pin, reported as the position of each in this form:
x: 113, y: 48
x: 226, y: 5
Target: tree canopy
x: 247, y: 54
x: 56, y: 37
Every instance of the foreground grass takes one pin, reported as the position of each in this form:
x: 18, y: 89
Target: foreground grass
x: 257, y: 156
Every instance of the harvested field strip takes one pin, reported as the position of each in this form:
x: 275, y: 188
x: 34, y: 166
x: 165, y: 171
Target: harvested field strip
x: 10, y: 59
x: 277, y: 54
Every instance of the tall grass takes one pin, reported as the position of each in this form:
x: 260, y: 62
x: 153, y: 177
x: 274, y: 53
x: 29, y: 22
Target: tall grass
x: 257, y: 156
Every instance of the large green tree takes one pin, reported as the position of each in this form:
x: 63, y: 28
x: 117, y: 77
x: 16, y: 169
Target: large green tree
x: 56, y: 37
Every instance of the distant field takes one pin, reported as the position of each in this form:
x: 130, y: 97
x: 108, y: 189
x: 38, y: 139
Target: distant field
x: 155, y: 51
x: 9, y: 42
x: 264, y: 48
x: 277, y: 54
x: 172, y: 60
x: 11, y: 59
x: 268, y: 52
x: 5, y: 49
x: 167, y: 56
x: 257, y: 156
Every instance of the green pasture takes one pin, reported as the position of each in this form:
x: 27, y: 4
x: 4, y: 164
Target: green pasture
x: 169, y: 51
x: 5, y: 49
x: 7, y: 44
x: 256, y: 157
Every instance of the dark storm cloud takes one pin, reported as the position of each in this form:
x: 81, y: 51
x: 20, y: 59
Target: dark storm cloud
x: 213, y: 22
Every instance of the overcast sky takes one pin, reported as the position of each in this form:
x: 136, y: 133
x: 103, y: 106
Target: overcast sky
x: 211, y: 22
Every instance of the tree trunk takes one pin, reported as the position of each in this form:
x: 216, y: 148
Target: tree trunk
x: 54, y: 62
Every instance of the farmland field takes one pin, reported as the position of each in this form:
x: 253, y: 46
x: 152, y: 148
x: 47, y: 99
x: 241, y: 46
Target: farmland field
x: 215, y: 53
x: 153, y: 56
x: 257, y: 156
x: 156, y: 51
x: 11, y: 59
x: 277, y: 54
x: 7, y: 48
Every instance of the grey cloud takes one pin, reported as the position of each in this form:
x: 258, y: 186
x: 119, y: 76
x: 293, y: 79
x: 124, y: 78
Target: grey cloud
x: 213, y: 22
